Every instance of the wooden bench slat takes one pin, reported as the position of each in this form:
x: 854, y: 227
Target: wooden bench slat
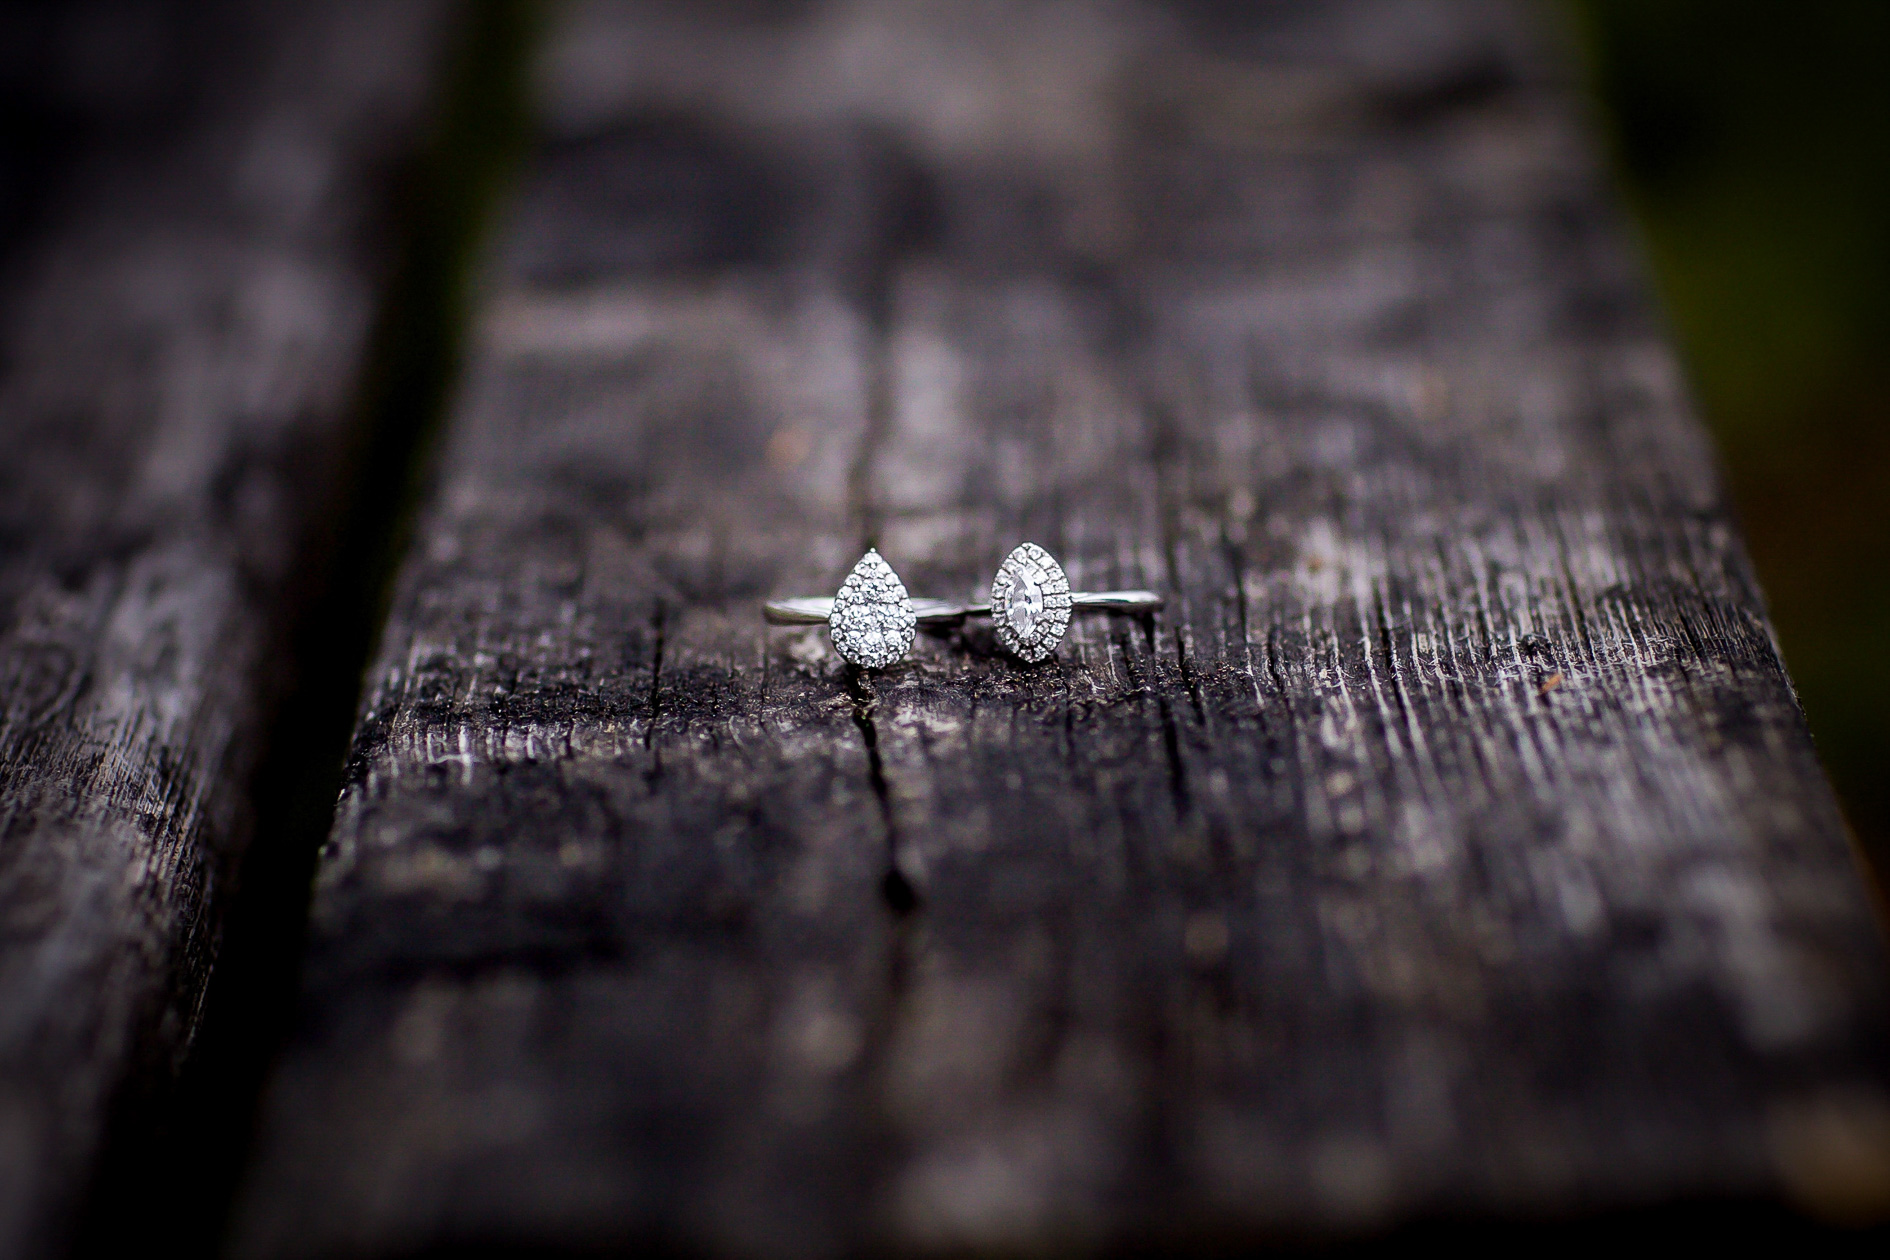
x: 1451, y: 845
x: 195, y: 253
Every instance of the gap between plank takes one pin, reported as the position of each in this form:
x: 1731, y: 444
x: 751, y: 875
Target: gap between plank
x: 175, y: 1154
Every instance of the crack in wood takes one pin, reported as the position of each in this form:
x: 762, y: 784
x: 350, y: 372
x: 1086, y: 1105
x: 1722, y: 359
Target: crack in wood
x: 895, y: 887
x: 657, y: 620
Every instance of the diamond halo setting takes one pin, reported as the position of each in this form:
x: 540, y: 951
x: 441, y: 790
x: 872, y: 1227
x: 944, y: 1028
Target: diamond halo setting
x: 872, y: 623
x: 1030, y: 603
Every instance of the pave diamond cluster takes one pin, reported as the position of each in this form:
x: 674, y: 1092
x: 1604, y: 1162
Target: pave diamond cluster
x: 1030, y: 603
x: 873, y: 622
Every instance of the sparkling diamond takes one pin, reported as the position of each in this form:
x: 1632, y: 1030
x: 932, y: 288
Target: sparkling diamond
x: 1026, y: 601
x: 872, y: 623
x: 1030, y: 603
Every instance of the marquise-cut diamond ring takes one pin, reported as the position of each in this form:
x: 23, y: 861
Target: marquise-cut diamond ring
x: 1031, y: 603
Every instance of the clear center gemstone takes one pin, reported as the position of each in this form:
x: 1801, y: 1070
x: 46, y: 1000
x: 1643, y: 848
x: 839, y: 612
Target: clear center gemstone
x: 1026, y: 603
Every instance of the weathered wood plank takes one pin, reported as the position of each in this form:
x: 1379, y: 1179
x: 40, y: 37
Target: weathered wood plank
x: 1452, y: 844
x: 198, y: 204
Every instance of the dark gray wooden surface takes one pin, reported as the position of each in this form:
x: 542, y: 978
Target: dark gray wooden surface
x: 1452, y: 845
x: 196, y: 204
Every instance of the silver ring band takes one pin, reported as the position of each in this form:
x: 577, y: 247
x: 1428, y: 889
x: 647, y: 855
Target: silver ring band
x: 1122, y: 603
x: 815, y: 610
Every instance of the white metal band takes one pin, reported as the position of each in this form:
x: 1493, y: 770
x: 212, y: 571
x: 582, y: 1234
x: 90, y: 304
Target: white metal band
x: 1124, y: 603
x: 815, y: 609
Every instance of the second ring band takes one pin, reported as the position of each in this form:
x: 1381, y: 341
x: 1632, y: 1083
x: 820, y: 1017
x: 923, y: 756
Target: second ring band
x: 817, y: 610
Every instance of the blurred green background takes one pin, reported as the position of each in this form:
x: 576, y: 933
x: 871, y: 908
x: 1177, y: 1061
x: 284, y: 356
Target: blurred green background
x: 1752, y: 141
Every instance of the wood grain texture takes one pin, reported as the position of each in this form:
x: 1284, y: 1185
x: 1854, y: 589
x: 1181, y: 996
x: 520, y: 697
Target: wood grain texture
x: 185, y: 306
x: 1452, y: 845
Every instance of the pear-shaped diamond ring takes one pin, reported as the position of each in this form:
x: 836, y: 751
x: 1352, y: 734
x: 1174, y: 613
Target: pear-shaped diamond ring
x: 872, y: 620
